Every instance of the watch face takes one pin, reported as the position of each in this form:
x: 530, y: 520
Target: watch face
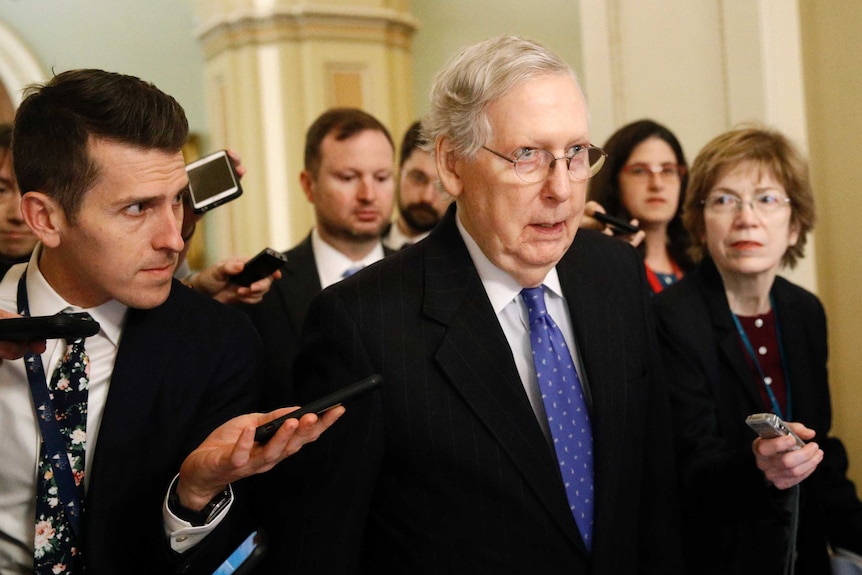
x: 216, y: 505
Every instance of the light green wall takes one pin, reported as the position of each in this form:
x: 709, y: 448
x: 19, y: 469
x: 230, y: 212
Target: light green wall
x: 446, y: 26
x: 151, y: 39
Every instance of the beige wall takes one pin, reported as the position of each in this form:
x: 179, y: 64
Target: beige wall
x: 271, y: 69
x: 833, y: 77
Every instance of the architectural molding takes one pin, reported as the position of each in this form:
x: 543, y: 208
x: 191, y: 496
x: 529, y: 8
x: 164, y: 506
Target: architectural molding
x: 254, y: 26
x: 19, y: 66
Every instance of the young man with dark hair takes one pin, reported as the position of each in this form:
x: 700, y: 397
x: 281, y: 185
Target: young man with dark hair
x: 137, y: 469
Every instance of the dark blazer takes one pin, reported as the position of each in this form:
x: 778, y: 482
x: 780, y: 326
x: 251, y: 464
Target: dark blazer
x: 182, y: 369
x: 279, y: 318
x: 733, y: 521
x: 447, y: 470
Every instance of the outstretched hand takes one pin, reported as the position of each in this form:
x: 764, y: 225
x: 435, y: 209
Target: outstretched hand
x: 230, y: 453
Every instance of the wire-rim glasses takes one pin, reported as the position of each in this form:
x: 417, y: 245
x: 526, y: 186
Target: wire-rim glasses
x: 644, y: 171
x: 763, y: 203
x: 534, y: 165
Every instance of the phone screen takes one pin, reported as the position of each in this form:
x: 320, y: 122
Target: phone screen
x: 248, y: 548
x: 212, y: 181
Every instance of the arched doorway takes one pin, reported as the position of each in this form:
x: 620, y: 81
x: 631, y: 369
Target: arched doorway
x: 18, y: 69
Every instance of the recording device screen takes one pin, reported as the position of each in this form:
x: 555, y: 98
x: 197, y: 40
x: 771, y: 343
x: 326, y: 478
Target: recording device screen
x: 212, y: 181
x: 244, y: 557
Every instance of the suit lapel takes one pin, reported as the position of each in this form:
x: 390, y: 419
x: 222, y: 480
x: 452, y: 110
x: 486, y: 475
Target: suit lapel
x: 597, y: 325
x: 475, y: 356
x: 726, y: 333
x: 797, y: 352
x: 136, y: 377
x: 300, y: 283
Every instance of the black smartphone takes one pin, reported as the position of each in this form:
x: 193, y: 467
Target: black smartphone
x: 267, y: 430
x: 212, y: 181
x: 617, y: 225
x: 260, y: 266
x: 243, y: 558
x: 769, y: 425
x: 67, y: 326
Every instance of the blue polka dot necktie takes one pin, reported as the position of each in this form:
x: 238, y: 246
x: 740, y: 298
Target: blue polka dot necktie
x: 565, y: 408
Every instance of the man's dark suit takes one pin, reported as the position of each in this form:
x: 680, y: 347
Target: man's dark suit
x: 734, y: 522
x: 448, y: 471
x: 279, y: 318
x: 182, y: 369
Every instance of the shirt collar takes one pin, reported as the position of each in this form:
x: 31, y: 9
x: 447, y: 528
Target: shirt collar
x: 331, y: 263
x: 396, y: 239
x: 44, y: 300
x: 501, y: 287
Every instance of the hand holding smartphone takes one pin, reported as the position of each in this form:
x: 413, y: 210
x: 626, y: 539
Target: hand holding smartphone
x: 263, y: 264
x: 267, y: 430
x: 770, y: 426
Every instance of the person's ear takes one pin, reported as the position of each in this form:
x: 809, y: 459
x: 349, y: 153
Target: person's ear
x: 44, y: 216
x: 447, y: 166
x: 306, y: 180
x: 793, y: 235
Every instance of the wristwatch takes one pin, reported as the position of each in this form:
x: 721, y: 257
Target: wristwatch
x: 198, y: 518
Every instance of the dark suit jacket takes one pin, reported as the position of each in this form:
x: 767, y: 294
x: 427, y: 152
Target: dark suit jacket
x: 279, y: 318
x: 734, y: 522
x: 447, y: 471
x: 182, y: 369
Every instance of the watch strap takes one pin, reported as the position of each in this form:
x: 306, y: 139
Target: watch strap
x: 206, y: 515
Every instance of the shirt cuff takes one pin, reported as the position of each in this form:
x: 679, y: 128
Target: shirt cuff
x: 182, y: 534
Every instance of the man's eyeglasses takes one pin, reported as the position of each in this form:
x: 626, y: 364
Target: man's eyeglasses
x: 764, y: 203
x: 533, y: 166
x: 645, y: 171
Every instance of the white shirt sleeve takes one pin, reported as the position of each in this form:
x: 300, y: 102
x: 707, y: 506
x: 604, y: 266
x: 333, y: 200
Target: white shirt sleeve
x: 184, y: 535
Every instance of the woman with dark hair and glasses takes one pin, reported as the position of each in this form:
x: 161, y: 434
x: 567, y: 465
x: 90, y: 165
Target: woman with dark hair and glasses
x: 737, y: 339
x: 644, y: 178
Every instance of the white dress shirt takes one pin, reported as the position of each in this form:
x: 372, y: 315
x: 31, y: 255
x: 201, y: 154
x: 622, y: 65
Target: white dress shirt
x: 331, y: 263
x: 505, y: 295
x: 21, y: 437
x: 396, y: 239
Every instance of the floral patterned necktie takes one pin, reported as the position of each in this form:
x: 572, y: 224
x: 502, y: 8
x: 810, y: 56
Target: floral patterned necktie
x: 57, y: 548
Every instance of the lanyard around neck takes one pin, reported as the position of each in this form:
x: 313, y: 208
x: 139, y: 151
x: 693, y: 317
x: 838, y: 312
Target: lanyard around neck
x: 55, y: 445
x: 766, y: 382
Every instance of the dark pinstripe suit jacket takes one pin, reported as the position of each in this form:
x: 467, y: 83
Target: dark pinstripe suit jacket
x: 182, y: 369
x: 447, y: 470
x: 279, y: 318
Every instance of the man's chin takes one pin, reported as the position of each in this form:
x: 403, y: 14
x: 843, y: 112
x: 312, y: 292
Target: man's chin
x: 420, y: 217
x: 364, y: 235
x: 147, y: 297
